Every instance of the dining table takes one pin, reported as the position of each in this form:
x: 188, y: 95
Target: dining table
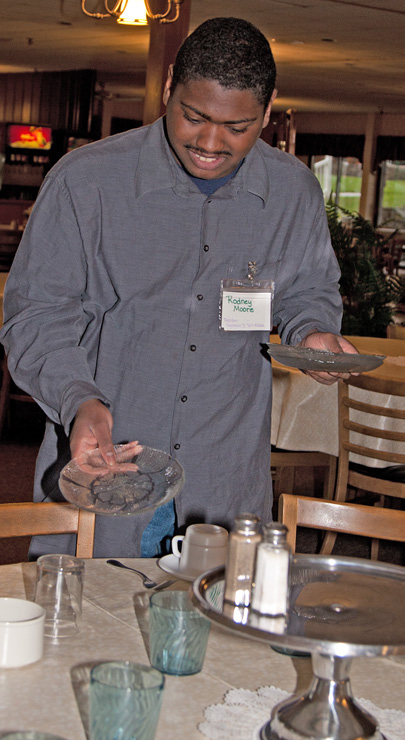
x: 239, y: 680
x: 305, y: 412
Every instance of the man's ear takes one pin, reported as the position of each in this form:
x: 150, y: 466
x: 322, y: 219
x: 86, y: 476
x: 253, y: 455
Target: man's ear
x: 168, y: 84
x: 266, y: 118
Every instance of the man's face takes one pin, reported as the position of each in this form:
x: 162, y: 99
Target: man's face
x: 212, y: 128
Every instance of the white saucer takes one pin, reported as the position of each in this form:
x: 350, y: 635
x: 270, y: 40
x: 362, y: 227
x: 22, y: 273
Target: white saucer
x: 171, y: 564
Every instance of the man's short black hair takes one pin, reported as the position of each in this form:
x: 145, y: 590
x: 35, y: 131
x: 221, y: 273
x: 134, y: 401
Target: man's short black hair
x: 230, y: 51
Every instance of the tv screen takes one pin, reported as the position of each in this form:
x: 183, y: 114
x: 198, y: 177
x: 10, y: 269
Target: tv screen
x: 26, y: 136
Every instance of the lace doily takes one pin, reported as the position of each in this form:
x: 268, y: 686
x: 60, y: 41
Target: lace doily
x: 244, y: 712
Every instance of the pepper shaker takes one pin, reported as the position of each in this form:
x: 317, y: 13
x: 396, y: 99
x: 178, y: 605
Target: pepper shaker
x: 270, y: 591
x: 243, y: 541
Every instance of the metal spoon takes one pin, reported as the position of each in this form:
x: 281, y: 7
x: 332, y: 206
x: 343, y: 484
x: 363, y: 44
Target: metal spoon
x: 147, y: 582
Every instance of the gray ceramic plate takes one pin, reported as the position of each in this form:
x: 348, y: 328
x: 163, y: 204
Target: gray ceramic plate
x: 142, y: 479
x: 314, y: 359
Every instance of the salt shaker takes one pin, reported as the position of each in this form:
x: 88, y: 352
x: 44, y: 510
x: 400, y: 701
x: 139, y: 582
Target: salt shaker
x: 243, y: 542
x: 270, y: 591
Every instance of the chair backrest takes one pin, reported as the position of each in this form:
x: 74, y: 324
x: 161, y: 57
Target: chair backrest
x: 27, y: 519
x: 284, y: 463
x: 372, y: 428
x: 338, y: 516
x: 378, y: 425
x: 396, y: 331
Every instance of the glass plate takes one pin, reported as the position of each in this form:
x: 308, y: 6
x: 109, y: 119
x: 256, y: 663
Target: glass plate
x: 305, y: 358
x: 142, y: 479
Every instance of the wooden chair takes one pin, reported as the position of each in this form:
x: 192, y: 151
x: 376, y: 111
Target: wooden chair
x: 396, y: 331
x: 339, y: 516
x: 28, y: 519
x: 284, y: 462
x: 376, y: 422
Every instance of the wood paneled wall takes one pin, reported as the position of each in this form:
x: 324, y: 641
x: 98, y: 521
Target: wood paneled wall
x: 63, y: 100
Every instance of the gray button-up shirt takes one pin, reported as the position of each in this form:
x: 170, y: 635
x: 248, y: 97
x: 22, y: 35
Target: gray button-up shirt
x: 114, y: 294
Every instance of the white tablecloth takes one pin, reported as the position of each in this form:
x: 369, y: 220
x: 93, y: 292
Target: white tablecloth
x: 51, y: 695
x: 305, y: 413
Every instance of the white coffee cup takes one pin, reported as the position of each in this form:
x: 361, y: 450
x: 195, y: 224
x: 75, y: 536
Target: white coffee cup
x: 204, y: 546
x: 21, y: 632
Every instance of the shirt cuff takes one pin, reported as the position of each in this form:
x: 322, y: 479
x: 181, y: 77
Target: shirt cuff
x: 297, y: 335
x: 74, y: 396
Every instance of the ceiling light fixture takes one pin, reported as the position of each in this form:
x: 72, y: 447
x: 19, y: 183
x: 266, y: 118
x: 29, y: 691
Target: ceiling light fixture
x: 135, y: 12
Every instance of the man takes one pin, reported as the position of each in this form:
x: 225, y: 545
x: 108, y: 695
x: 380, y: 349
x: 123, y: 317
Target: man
x: 113, y: 301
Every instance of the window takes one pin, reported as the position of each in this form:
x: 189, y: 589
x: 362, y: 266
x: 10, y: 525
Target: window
x: 391, y: 201
x: 340, y: 179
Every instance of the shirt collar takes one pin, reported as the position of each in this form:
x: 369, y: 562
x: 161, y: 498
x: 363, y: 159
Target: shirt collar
x: 256, y: 173
x: 157, y: 169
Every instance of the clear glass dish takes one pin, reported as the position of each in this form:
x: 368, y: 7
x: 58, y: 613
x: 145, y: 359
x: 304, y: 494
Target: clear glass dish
x: 142, y: 479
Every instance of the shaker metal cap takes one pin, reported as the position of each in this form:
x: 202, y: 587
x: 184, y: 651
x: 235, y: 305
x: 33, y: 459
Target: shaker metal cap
x: 247, y: 522
x: 275, y: 528
x: 275, y: 532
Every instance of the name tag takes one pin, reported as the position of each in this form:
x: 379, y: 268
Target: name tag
x: 246, y: 306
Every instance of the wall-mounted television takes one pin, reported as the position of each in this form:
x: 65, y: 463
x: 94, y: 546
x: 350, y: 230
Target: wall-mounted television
x: 27, y: 136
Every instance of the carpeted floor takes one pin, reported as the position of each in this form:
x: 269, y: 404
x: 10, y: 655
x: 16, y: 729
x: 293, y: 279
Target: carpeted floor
x: 18, y: 451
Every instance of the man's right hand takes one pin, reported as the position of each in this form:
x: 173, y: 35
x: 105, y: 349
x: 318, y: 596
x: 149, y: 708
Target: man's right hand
x: 92, y: 429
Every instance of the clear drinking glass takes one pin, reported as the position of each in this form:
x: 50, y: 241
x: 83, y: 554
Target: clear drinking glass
x: 59, y: 588
x: 125, y: 701
x: 178, y: 634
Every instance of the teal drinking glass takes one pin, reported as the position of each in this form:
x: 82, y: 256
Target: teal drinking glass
x: 178, y: 634
x: 125, y: 701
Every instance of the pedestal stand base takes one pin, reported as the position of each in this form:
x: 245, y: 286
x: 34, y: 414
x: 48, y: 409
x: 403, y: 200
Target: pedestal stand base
x: 267, y: 734
x: 326, y: 711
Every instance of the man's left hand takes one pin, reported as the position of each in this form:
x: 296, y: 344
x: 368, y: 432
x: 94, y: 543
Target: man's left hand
x: 332, y: 343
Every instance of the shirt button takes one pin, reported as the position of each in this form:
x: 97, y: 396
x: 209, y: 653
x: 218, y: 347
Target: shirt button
x: 176, y: 446
x: 184, y: 399
x: 206, y: 248
x: 193, y: 347
x: 200, y: 297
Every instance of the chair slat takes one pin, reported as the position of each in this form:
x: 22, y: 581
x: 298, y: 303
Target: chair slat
x: 342, y: 517
x: 369, y: 408
x: 392, y: 457
x: 29, y: 519
x: 373, y: 432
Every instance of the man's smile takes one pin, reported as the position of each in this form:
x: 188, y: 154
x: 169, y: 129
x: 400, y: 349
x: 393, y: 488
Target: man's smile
x: 205, y: 160
x: 207, y: 155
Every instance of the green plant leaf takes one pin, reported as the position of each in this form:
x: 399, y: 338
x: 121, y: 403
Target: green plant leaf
x: 369, y: 296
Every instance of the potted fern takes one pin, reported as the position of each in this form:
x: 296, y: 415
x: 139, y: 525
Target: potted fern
x: 369, y: 296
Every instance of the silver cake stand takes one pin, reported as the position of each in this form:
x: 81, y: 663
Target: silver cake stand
x: 340, y: 608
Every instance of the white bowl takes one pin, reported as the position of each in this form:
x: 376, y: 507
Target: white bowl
x: 21, y: 632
